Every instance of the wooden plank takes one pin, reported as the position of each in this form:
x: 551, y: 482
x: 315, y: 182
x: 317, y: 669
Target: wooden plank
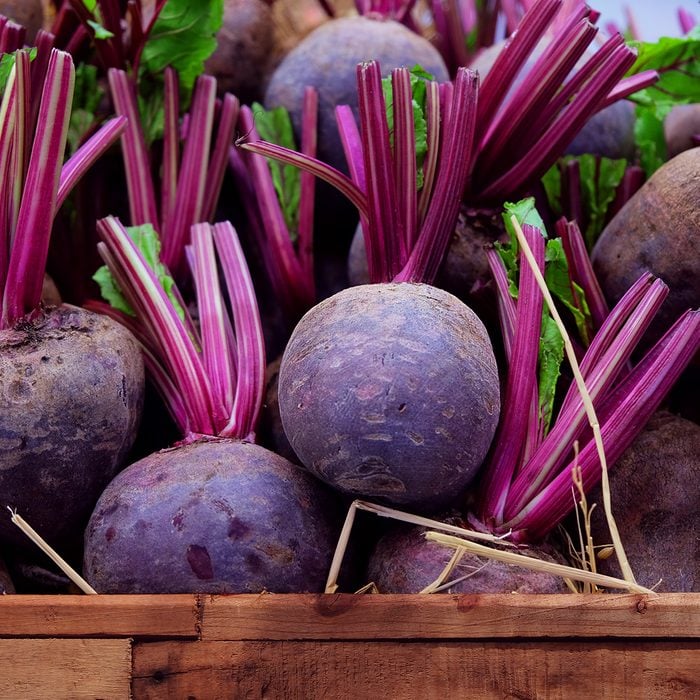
x: 281, y: 617
x: 173, y: 616
x: 306, y: 670
x: 65, y: 668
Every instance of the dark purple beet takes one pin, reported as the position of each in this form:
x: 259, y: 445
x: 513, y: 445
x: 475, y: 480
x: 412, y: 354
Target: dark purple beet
x: 270, y: 431
x: 327, y: 59
x: 403, y: 561
x: 681, y: 125
x: 390, y: 391
x: 217, y: 516
x: 71, y: 393
x: 655, y: 491
x: 657, y: 231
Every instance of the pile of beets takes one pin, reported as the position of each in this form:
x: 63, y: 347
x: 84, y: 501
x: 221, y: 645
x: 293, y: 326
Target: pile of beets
x: 260, y: 260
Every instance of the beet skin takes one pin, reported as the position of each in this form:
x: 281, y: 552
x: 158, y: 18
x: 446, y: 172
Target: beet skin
x: 71, y: 393
x: 216, y: 516
x: 390, y: 391
x: 405, y: 562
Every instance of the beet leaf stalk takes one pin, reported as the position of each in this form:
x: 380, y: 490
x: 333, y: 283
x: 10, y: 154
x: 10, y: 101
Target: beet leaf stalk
x: 529, y: 492
x: 212, y: 379
x: 33, y: 189
x: 279, y: 202
x: 190, y: 188
x: 385, y: 197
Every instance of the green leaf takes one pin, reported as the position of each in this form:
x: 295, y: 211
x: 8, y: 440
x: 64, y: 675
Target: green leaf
x: 151, y: 109
x: 183, y: 37
x: 678, y: 62
x: 100, y: 31
x: 551, y: 181
x: 550, y: 357
x: 148, y: 242
x: 7, y: 61
x: 87, y: 95
x: 526, y: 213
x: 419, y: 76
x: 90, y: 4
x: 275, y: 126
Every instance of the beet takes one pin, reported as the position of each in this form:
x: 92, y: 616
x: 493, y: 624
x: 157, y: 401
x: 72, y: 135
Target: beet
x: 403, y: 561
x: 270, y: 431
x: 28, y: 13
x: 327, y: 58
x: 681, y: 125
x: 657, y: 231
x: 390, y: 391
x: 242, y: 61
x: 71, y: 392
x: 214, y: 516
x: 655, y: 491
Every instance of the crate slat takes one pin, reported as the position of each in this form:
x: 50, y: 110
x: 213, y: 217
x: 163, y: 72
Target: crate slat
x: 65, y: 668
x: 508, y: 669
x: 450, y: 617
x: 172, y: 616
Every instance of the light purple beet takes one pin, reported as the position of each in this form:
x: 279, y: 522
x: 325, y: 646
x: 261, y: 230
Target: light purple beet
x: 391, y: 392
x: 71, y: 394
x: 216, y: 516
x: 403, y: 561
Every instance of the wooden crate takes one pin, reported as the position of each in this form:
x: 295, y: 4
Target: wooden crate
x: 345, y: 646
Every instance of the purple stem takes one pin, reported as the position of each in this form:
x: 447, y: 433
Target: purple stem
x: 228, y: 117
x: 618, y: 430
x: 139, y: 183
x: 570, y: 424
x: 685, y: 20
x: 581, y: 270
x: 31, y: 243
x: 507, y: 312
x: 171, y: 147
x: 307, y: 195
x: 21, y: 139
x: 521, y: 384
x: 628, y: 86
x: 387, y: 235
x: 432, y: 120
x: 512, y: 58
x: 455, y: 163
x: 250, y: 386
x: 192, y: 177
x: 632, y: 180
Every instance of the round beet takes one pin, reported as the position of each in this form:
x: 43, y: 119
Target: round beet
x: 403, y: 561
x: 270, y: 431
x: 682, y: 128
x: 71, y: 393
x: 390, y: 391
x: 215, y: 516
x: 655, y: 491
x: 327, y: 58
x: 243, y: 57
x: 657, y: 231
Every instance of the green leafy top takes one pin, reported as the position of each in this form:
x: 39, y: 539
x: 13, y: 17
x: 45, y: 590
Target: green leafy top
x: 556, y: 274
x: 183, y: 37
x: 600, y: 178
x: 678, y: 62
x: 87, y: 95
x: 419, y: 76
x: 275, y: 126
x: 147, y: 241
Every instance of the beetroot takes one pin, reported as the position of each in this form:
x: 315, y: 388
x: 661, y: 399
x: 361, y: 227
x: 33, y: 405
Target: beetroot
x: 326, y: 60
x: 242, y: 60
x: 403, y: 561
x: 71, y: 392
x: 656, y: 231
x: 655, y: 491
x: 219, y: 516
x: 682, y: 128
x: 391, y: 392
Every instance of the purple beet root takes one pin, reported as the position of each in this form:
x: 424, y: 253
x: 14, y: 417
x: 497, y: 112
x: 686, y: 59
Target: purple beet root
x: 390, y: 391
x: 655, y: 490
x: 217, y: 516
x: 71, y: 393
x: 270, y: 431
x: 403, y: 561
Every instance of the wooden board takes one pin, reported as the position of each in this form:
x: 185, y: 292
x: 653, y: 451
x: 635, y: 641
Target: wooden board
x: 173, y: 616
x: 326, y: 670
x: 65, y: 668
x: 450, y: 617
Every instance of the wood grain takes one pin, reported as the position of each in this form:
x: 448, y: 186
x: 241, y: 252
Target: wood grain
x: 173, y: 616
x: 307, y: 670
x: 65, y: 668
x: 450, y: 617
